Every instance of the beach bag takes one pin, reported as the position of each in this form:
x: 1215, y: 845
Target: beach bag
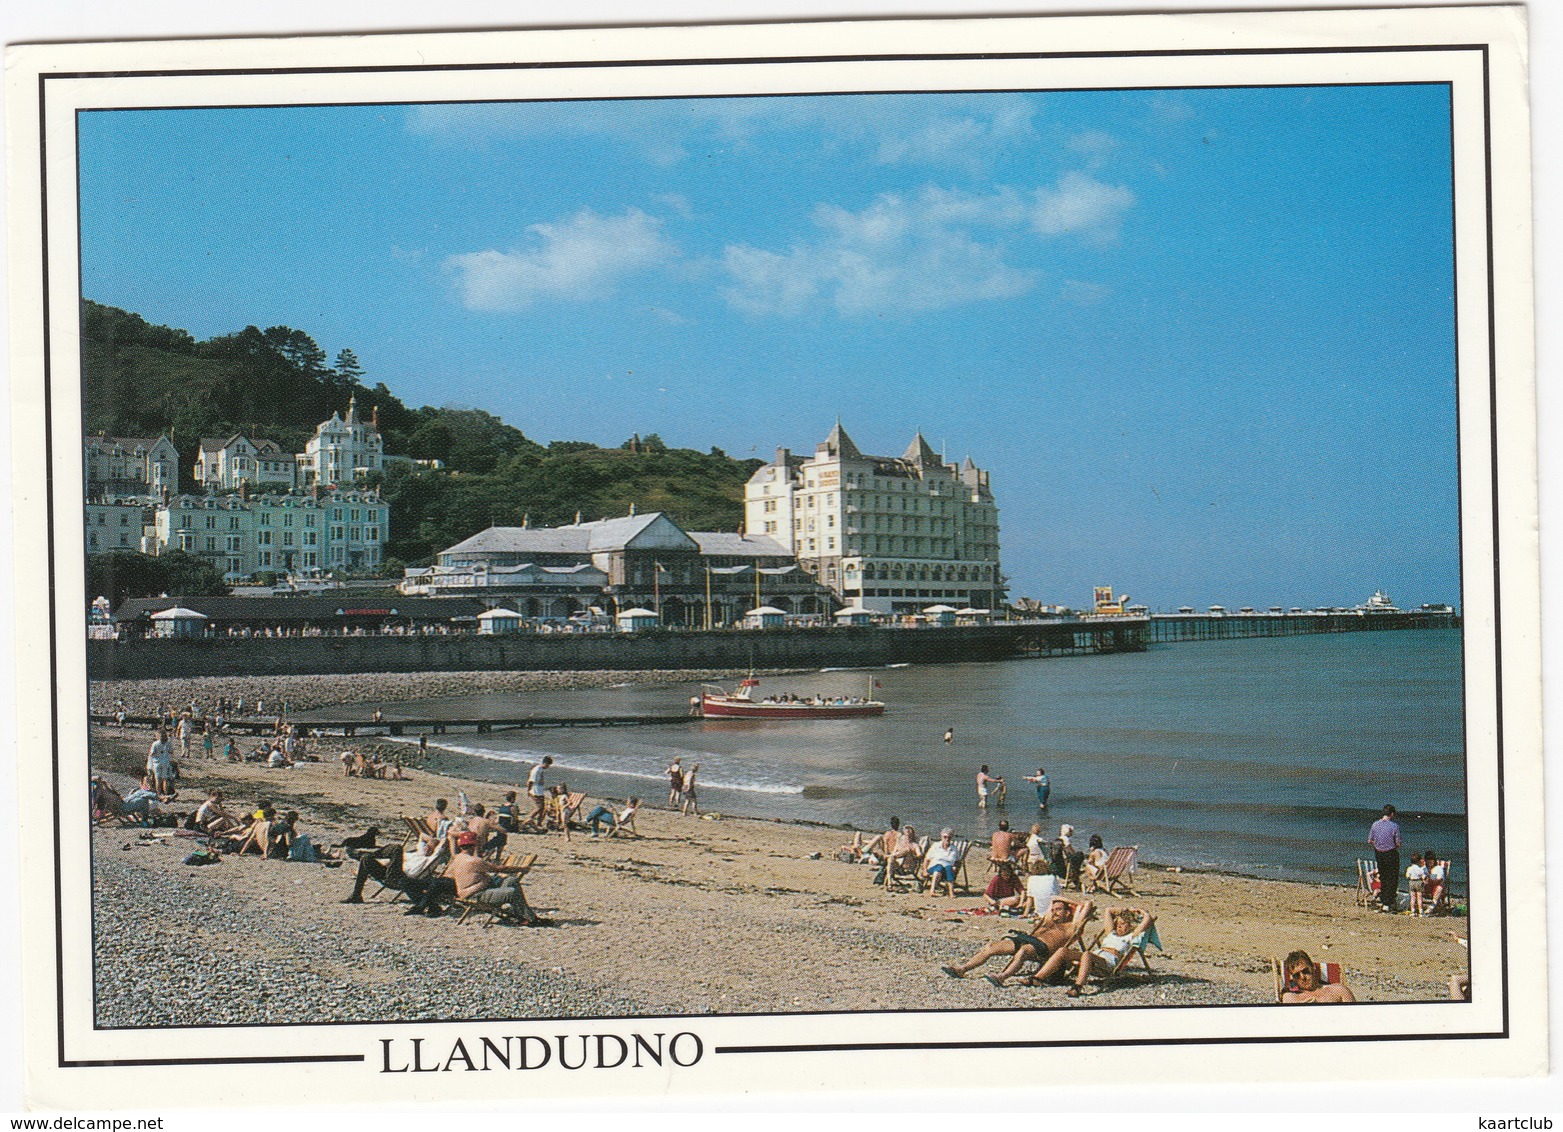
x: 879, y: 876
x: 846, y: 857
x: 202, y: 857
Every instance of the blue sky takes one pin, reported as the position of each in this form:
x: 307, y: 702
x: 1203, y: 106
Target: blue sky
x: 1203, y: 339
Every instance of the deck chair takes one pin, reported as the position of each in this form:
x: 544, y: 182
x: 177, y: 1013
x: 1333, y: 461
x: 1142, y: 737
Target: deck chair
x: 1328, y: 973
x: 1119, y: 869
x: 416, y: 830
x: 963, y: 846
x: 1367, y: 882
x: 623, y: 828
x: 1148, y: 938
x: 899, y: 873
x: 514, y: 866
x: 435, y: 868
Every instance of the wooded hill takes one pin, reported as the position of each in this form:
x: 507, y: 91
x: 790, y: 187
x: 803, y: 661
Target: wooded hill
x: 145, y: 380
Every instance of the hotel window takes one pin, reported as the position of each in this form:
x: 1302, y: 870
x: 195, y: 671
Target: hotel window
x: 309, y: 558
x: 264, y: 538
x: 310, y: 538
x: 233, y: 522
x: 265, y: 518
x: 287, y: 538
x: 211, y: 522
x: 265, y: 558
x: 309, y: 520
x: 185, y: 542
x: 374, y: 534
x: 287, y: 520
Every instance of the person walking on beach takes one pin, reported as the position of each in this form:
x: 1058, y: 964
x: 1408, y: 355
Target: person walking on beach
x: 537, y: 790
x: 160, y: 763
x: 675, y: 783
x: 691, y: 800
x: 1044, y: 788
x: 1384, y: 836
x: 984, y: 786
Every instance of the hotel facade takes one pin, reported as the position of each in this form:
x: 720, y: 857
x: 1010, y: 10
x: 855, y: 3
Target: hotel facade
x: 891, y: 534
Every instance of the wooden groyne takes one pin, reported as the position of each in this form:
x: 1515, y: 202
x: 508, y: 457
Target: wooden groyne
x: 365, y: 728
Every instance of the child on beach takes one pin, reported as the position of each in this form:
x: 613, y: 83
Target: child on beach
x: 1416, y: 881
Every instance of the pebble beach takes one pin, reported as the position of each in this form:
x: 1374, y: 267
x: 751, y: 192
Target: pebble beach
x: 697, y: 916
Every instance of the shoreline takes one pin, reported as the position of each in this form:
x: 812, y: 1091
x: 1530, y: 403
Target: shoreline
x: 722, y: 915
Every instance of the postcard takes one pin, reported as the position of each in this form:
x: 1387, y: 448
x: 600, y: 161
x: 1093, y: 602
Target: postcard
x: 775, y: 557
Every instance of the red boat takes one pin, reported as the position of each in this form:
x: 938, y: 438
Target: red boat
x: 741, y: 704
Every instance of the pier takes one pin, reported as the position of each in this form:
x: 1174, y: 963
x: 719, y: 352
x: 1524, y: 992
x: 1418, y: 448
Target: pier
x: 1165, y: 628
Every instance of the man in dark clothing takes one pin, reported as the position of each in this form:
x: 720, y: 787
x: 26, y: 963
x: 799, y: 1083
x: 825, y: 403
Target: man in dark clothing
x: 1384, y: 836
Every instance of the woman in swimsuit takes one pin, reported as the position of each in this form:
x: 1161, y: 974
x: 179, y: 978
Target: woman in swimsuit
x: 1109, y: 950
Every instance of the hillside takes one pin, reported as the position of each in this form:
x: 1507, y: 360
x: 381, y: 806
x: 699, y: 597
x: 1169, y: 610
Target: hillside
x: 143, y: 380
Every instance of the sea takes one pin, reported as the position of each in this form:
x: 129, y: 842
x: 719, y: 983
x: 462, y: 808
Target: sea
x: 1264, y: 757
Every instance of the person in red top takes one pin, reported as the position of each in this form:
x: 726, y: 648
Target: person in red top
x: 1005, y: 889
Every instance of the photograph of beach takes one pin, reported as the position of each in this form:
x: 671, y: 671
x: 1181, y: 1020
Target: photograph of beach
x: 653, y: 564
x: 1255, y: 739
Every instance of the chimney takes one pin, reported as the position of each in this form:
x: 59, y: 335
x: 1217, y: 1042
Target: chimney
x: 782, y: 456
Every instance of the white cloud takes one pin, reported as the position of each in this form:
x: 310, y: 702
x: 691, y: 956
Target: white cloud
x: 940, y: 248
x: 578, y: 258
x: 898, y: 254
x: 1081, y: 205
x: 961, y: 130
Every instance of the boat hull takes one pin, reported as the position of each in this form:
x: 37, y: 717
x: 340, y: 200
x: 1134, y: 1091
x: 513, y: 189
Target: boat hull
x: 714, y: 708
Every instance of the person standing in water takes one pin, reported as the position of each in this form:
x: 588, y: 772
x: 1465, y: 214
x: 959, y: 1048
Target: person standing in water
x: 985, y: 785
x: 1044, y: 788
x: 949, y: 735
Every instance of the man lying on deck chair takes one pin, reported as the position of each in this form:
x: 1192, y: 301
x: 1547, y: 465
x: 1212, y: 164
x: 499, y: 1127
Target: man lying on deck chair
x: 1048, y: 937
x: 390, y: 867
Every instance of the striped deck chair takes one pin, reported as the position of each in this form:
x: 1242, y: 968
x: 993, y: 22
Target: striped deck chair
x: 1119, y: 869
x: 963, y: 846
x: 1328, y: 973
x: 1367, y: 882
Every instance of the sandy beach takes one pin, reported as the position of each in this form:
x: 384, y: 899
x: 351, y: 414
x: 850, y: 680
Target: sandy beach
x: 696, y: 916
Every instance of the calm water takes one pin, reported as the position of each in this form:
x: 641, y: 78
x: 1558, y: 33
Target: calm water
x: 1267, y: 757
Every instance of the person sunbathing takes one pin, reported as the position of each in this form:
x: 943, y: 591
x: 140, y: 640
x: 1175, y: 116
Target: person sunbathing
x: 941, y: 862
x: 1302, y: 985
x: 854, y: 851
x: 1002, y: 845
x: 212, y: 818
x: 1005, y: 891
x: 625, y: 819
x: 1095, y: 865
x: 1129, y: 925
x: 1047, y: 938
x: 907, y: 854
x: 257, y: 837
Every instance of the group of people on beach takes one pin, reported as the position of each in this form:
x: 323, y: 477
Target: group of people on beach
x: 1055, y: 943
x: 684, y: 787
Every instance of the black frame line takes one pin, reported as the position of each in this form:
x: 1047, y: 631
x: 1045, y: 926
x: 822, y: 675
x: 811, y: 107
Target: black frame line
x: 51, y: 556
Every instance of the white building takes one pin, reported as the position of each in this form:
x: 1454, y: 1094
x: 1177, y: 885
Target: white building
x: 891, y: 534
x: 238, y: 461
x: 126, y: 467
x: 117, y: 525
x: 243, y: 535
x: 343, y: 450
